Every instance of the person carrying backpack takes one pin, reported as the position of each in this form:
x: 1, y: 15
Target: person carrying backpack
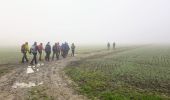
x: 108, y: 46
x: 24, y: 50
x: 58, y: 50
x: 114, y: 45
x: 40, y: 50
x: 34, y: 50
x: 54, y: 51
x: 63, y: 50
x: 47, y: 51
x: 67, y: 48
x: 72, y: 49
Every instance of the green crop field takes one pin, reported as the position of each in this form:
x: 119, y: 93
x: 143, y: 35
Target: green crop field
x: 10, y: 57
x: 134, y: 74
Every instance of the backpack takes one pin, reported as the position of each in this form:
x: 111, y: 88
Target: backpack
x: 34, y: 49
x: 40, y: 48
x: 23, y: 48
x: 54, y: 48
x: 73, y: 47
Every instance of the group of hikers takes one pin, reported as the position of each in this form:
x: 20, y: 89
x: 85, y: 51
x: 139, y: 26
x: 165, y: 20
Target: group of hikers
x: 56, y: 49
x: 108, y: 45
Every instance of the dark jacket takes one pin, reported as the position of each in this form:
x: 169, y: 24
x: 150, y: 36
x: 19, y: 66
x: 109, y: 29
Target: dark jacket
x: 73, y: 47
x: 54, y: 48
x: 48, y: 48
x: 67, y: 47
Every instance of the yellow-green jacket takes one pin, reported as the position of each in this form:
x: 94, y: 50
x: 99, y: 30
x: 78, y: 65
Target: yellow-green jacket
x: 27, y: 48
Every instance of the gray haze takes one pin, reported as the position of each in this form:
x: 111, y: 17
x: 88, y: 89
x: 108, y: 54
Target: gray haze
x: 84, y: 21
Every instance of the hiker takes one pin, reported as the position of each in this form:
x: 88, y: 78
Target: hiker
x: 72, y: 49
x: 108, y: 46
x: 34, y: 50
x: 114, y: 45
x: 67, y: 48
x: 47, y: 51
x: 63, y: 50
x: 40, y: 50
x: 24, y: 50
x: 54, y: 51
x: 58, y: 51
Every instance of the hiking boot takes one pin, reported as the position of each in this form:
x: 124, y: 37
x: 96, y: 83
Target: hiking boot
x: 31, y: 63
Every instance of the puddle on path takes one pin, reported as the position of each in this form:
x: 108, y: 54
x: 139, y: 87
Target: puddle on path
x: 25, y: 85
x: 32, y: 69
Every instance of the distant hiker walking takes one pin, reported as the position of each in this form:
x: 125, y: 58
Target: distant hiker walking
x: 58, y: 51
x: 54, y: 51
x: 65, y: 49
x: 24, y: 50
x: 40, y: 50
x: 47, y: 51
x: 114, y: 45
x: 72, y: 49
x: 34, y: 50
x: 108, y: 46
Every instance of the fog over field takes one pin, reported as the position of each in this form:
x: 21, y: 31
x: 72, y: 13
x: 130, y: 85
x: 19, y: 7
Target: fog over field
x: 84, y: 21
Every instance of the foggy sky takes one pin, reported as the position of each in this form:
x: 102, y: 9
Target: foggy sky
x: 84, y: 21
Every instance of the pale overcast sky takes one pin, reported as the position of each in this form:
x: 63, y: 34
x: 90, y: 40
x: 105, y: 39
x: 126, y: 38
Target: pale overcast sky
x: 84, y: 21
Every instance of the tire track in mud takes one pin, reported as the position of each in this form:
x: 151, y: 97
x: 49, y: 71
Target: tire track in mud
x: 51, y: 74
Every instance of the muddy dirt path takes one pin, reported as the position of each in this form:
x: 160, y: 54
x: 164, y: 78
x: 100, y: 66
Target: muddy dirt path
x: 16, y: 84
